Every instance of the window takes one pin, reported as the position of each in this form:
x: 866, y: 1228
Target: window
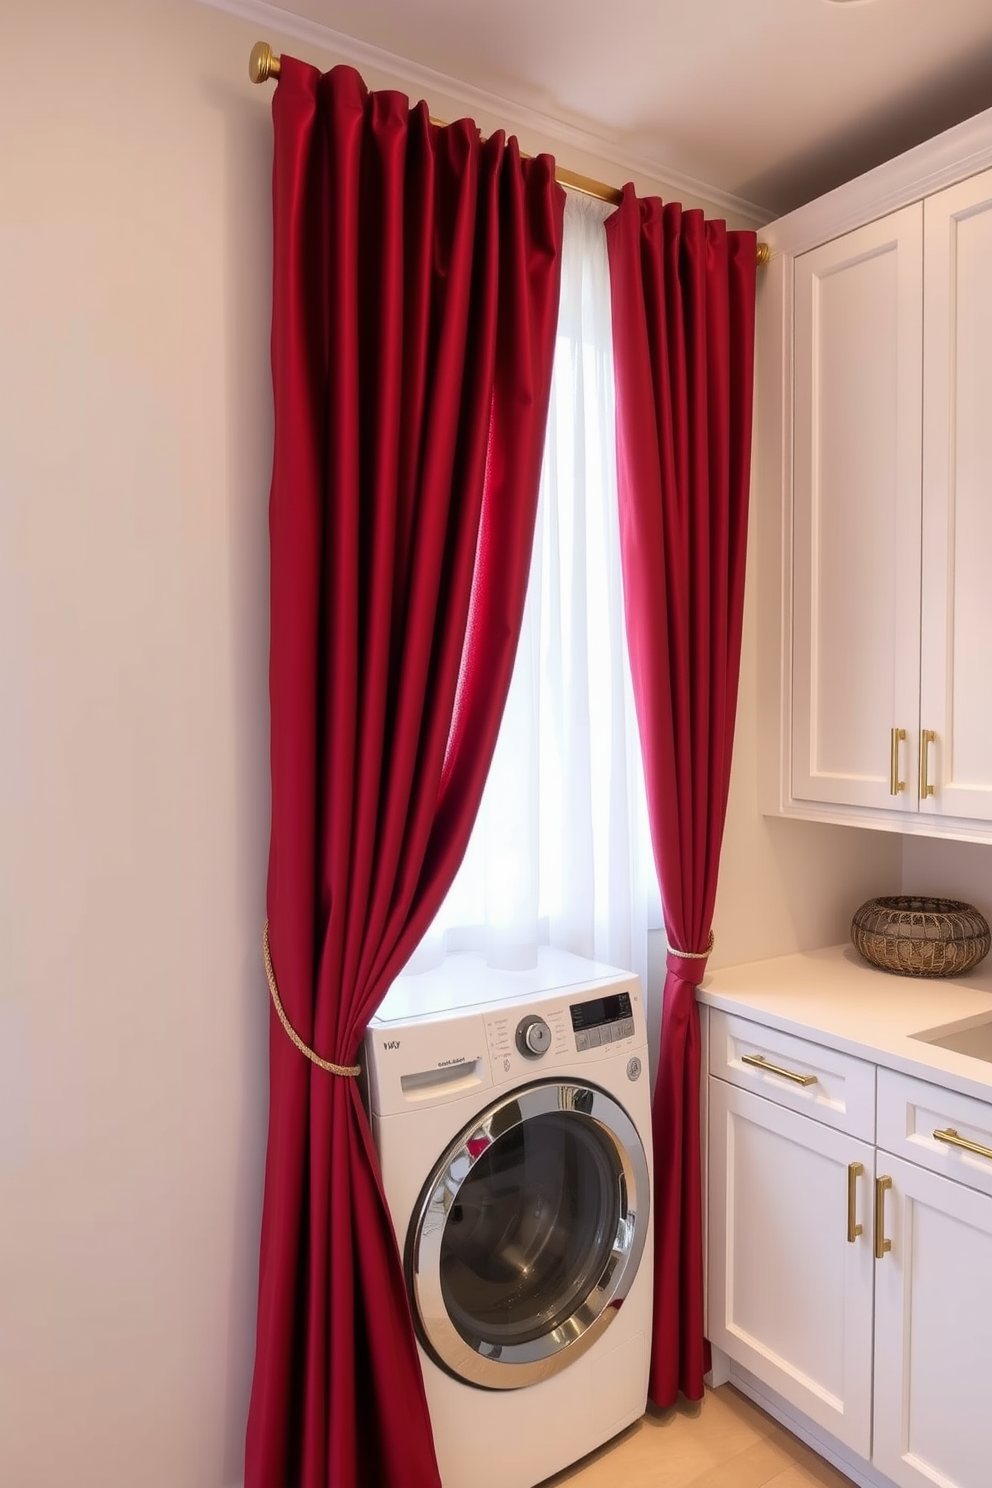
x: 560, y: 853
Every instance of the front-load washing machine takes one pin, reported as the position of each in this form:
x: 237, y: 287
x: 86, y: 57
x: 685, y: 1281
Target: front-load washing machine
x: 511, y: 1112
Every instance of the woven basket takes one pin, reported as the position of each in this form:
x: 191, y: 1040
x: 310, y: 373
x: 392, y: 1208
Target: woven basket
x: 921, y: 937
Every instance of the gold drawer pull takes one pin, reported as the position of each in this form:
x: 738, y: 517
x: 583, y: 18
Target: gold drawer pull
x: 927, y: 737
x: 882, y: 1186
x: 854, y: 1171
x: 951, y: 1137
x: 895, y: 784
x: 760, y: 1062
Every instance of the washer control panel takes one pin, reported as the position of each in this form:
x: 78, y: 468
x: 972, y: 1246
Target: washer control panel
x: 602, y: 1020
x: 443, y: 1035
x: 533, y: 1037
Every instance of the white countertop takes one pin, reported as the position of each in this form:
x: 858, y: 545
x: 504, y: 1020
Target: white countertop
x: 834, y: 997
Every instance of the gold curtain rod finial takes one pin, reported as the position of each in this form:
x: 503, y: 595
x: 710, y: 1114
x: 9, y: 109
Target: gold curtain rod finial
x: 764, y: 254
x: 263, y: 63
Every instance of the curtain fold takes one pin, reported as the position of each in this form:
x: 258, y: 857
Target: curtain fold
x: 683, y: 324
x: 416, y: 279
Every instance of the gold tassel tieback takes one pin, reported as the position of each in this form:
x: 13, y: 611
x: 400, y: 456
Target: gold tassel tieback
x: 694, y: 955
x: 351, y: 1070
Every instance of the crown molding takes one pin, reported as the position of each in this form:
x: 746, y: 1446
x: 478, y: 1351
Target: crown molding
x: 961, y: 151
x: 421, y: 79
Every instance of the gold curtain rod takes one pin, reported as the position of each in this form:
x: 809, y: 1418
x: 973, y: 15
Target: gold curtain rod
x: 263, y: 64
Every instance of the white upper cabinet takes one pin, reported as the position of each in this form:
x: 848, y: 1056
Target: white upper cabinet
x: 874, y: 501
x: 955, y: 668
x: 858, y: 427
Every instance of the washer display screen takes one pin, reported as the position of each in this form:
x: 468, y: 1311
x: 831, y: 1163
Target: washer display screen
x: 600, y: 1010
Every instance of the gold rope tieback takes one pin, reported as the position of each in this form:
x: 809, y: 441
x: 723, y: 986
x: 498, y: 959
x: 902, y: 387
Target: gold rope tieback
x: 694, y: 955
x: 351, y: 1070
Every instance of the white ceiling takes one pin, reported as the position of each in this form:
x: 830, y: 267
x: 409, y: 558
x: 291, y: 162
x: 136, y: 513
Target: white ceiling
x: 769, y: 101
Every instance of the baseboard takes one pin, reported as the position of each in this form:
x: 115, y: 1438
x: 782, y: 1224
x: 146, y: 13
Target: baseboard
x: 821, y: 1442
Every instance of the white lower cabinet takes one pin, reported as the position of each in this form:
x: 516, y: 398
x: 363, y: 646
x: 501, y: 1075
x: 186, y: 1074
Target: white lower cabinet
x: 933, y: 1332
x: 933, y: 1287
x: 790, y: 1298
x: 854, y: 1282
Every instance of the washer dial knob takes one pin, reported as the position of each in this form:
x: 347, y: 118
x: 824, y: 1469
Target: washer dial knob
x: 533, y: 1037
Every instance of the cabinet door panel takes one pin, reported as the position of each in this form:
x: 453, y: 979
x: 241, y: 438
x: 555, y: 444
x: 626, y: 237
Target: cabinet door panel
x: 789, y: 1297
x: 933, y: 1333
x: 857, y: 485
x: 956, y: 701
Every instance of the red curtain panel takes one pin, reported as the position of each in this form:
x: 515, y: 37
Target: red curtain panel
x: 683, y: 326
x: 416, y: 278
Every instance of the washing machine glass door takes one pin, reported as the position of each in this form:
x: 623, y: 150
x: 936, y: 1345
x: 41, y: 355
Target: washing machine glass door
x: 528, y: 1234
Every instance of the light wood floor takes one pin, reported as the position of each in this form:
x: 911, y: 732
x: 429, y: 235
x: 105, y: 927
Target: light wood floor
x: 722, y: 1442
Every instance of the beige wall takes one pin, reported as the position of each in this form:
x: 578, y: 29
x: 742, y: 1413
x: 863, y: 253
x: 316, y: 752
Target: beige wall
x: 134, y: 454
x: 134, y: 444
x: 953, y: 870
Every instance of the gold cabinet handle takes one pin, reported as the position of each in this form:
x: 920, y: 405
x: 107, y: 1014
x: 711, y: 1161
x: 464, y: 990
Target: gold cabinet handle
x: 882, y: 1186
x: 760, y: 1062
x: 927, y: 737
x: 854, y: 1172
x: 954, y: 1140
x: 895, y: 784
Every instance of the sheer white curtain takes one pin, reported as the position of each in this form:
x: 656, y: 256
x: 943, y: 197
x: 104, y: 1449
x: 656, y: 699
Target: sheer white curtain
x: 560, y: 853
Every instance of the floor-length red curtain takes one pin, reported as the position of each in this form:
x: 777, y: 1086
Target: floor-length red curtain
x: 683, y: 325
x: 416, y: 277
